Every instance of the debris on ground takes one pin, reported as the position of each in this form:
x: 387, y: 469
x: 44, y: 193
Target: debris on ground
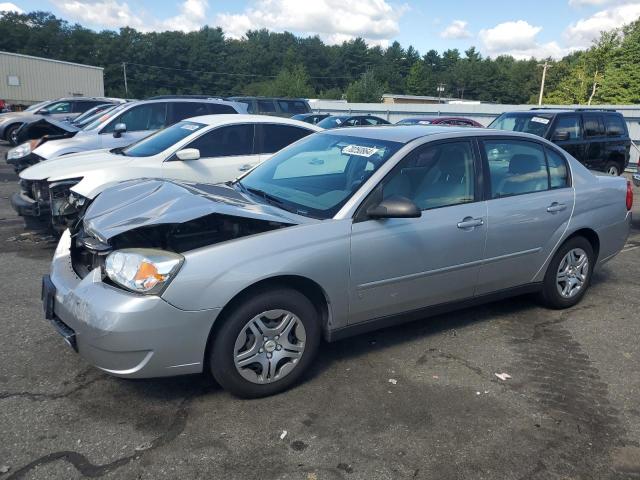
x: 503, y: 376
x: 393, y: 381
x: 143, y: 446
x: 4, y: 468
x: 283, y: 434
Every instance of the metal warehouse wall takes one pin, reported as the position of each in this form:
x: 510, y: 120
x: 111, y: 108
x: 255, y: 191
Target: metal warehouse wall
x: 483, y: 113
x: 43, y: 79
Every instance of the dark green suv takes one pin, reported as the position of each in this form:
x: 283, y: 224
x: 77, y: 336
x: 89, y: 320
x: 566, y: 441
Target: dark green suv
x: 597, y: 138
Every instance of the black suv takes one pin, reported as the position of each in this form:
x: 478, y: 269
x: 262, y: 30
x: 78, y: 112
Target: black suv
x: 279, y: 107
x: 598, y: 138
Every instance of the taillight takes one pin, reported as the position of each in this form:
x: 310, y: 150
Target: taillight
x: 629, y: 195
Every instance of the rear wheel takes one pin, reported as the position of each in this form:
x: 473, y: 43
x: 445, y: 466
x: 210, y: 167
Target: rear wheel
x: 266, y: 343
x: 613, y: 168
x: 569, y: 274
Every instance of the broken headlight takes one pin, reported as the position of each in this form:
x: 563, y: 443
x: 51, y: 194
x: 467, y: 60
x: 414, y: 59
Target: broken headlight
x: 142, y: 270
x: 22, y: 150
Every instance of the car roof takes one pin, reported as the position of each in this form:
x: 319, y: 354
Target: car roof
x: 224, y: 119
x: 408, y: 133
x: 555, y: 111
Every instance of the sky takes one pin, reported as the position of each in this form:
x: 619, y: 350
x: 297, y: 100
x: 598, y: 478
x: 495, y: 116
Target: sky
x: 542, y: 28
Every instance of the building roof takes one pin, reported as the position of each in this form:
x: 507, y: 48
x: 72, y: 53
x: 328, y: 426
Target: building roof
x: 49, y: 60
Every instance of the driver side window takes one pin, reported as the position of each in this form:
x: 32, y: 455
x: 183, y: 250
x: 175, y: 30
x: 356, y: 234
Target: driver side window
x: 434, y: 176
x: 151, y: 116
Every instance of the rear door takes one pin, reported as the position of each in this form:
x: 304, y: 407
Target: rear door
x: 595, y: 141
x: 618, y: 145
x: 529, y: 206
x: 404, y: 264
x: 271, y: 138
x: 223, y: 152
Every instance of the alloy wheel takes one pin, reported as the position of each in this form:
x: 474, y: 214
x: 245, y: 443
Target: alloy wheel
x: 269, y: 346
x: 572, y: 273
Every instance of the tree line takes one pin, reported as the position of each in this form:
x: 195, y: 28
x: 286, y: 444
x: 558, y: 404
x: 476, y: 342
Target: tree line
x: 283, y: 64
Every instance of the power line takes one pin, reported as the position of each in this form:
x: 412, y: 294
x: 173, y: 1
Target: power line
x: 230, y: 74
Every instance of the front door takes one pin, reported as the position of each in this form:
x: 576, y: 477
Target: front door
x: 569, y: 126
x: 529, y: 209
x: 399, y: 265
x: 140, y: 120
x: 225, y: 153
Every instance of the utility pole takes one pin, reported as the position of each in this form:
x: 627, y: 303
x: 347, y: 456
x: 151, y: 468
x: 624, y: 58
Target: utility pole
x: 440, y: 91
x: 124, y: 71
x: 544, y: 66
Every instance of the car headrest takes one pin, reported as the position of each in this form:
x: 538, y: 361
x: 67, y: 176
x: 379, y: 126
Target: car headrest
x: 523, y: 163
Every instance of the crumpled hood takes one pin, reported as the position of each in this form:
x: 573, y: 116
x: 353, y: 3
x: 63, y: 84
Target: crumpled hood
x: 139, y: 203
x: 46, y: 126
x: 74, y: 165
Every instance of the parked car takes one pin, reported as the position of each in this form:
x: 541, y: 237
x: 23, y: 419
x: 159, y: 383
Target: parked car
x: 213, y: 148
x: 279, y: 107
x: 636, y: 176
x: 120, y: 127
x: 345, y: 231
x: 440, y: 120
x: 63, y: 108
x: 337, y: 121
x: 45, y: 128
x: 312, y: 118
x: 597, y: 138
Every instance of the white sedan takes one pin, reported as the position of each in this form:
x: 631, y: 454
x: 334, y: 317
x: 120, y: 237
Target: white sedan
x: 211, y: 149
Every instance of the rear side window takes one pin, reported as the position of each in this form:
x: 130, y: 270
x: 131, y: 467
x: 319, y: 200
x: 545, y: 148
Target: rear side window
x: 276, y: 137
x: 292, y: 106
x: 81, y: 107
x: 593, y: 126
x: 615, y: 125
x: 569, y: 124
x: 558, y: 172
x: 226, y: 141
x: 219, y: 108
x: 516, y: 167
x: 266, y: 106
x: 182, y: 110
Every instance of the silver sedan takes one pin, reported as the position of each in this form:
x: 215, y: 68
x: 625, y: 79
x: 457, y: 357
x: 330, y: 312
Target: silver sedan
x: 342, y: 232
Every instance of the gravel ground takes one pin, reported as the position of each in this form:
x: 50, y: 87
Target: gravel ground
x: 570, y: 410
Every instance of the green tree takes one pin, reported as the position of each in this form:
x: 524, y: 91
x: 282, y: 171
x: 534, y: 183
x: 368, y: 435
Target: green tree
x: 418, y: 79
x: 365, y: 90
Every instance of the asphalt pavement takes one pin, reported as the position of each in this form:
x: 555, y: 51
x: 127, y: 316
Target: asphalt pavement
x: 421, y: 401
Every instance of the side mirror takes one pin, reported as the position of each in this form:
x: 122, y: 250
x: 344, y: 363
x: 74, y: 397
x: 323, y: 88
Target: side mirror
x: 394, y: 207
x: 43, y: 112
x: 560, y: 136
x: 119, y: 129
x: 188, y: 154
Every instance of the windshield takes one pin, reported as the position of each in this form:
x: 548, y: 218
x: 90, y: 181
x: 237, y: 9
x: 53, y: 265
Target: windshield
x: 535, y: 123
x: 316, y: 176
x: 415, y: 121
x: 331, y: 122
x: 162, y: 139
x: 37, y: 106
x: 104, y: 116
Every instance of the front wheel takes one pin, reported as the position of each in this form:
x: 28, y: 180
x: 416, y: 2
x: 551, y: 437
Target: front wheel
x: 12, y: 134
x: 569, y: 274
x: 265, y: 344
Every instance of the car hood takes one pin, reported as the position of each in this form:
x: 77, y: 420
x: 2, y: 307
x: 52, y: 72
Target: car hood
x: 74, y: 165
x: 46, y: 127
x: 83, y: 140
x: 141, y: 203
x: 5, y: 117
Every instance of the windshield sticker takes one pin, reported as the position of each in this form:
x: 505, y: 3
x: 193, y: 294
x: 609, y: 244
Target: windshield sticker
x: 540, y: 120
x: 424, y: 122
x: 190, y: 127
x: 359, y: 150
x: 338, y: 121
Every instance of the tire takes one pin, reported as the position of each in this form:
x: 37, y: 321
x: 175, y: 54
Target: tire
x: 581, y: 275
x: 613, y: 169
x: 10, y: 133
x: 285, y: 363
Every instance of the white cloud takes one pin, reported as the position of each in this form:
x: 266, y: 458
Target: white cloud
x: 10, y: 7
x: 116, y: 14
x: 581, y: 33
x: 591, y: 3
x: 334, y: 20
x: 456, y: 30
x: 518, y: 39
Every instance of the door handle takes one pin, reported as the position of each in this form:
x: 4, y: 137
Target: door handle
x: 470, y: 222
x: 245, y: 167
x: 556, y: 207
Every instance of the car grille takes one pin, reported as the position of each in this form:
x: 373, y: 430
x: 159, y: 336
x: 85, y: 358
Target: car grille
x: 37, y: 190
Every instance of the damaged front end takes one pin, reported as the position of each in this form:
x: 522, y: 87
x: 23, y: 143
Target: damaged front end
x: 66, y: 206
